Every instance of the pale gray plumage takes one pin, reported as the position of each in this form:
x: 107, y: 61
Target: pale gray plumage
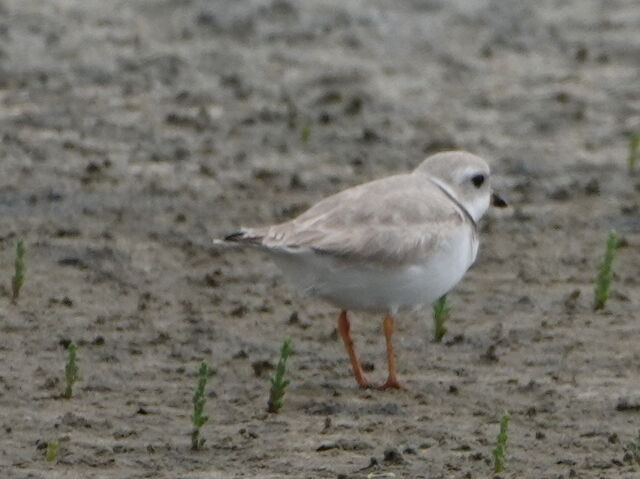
x: 396, y: 220
x: 419, y: 228
x: 398, y: 227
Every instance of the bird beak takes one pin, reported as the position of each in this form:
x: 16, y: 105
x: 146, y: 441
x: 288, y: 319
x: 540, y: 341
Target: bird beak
x: 497, y: 201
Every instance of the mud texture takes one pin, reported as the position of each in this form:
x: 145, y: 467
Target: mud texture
x: 132, y: 132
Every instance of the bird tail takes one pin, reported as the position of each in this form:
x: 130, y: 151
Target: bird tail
x: 235, y: 237
x: 239, y: 237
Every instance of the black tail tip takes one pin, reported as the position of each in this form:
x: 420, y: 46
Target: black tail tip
x: 237, y: 236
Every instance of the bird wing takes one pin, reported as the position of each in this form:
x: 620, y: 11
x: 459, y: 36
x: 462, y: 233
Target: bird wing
x: 395, y: 220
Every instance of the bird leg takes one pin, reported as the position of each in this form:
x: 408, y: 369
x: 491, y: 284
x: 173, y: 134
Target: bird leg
x: 392, y: 380
x: 358, y: 373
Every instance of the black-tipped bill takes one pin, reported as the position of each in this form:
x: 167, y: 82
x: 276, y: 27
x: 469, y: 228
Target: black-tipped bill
x: 497, y: 201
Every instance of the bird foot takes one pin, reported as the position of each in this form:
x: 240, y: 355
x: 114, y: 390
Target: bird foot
x: 364, y: 384
x: 391, y: 383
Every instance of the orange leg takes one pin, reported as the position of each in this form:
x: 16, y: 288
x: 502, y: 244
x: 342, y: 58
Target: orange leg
x: 392, y: 380
x: 358, y: 373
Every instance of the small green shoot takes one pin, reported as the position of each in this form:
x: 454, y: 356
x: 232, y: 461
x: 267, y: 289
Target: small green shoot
x: 18, y: 278
x: 278, y: 382
x: 605, y: 273
x: 71, y: 371
x: 198, y: 419
x: 52, y: 451
x: 441, y: 313
x: 305, y: 135
x: 499, y: 452
x: 632, y: 453
x: 634, y: 151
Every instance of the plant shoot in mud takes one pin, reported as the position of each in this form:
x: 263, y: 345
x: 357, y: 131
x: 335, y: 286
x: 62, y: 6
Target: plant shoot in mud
x: 278, y: 382
x: 605, y: 273
x: 499, y: 452
x: 198, y: 419
x: 634, y: 151
x: 305, y: 134
x: 71, y: 371
x: 441, y: 313
x: 632, y: 453
x: 18, y: 277
x: 52, y: 451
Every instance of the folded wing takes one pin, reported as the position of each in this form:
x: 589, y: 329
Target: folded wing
x: 396, y: 220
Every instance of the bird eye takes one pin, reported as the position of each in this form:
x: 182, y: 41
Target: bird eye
x: 477, y: 180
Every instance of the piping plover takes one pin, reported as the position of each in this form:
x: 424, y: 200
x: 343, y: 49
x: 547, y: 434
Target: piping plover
x: 394, y: 244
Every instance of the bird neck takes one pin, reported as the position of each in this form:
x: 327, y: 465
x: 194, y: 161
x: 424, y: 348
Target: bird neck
x: 451, y: 195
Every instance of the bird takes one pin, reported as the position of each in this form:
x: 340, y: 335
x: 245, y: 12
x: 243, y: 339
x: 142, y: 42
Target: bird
x: 387, y: 246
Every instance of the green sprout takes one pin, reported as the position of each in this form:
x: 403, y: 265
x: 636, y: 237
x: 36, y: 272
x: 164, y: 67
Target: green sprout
x: 71, y: 371
x: 278, y: 382
x: 18, y: 278
x: 52, y: 450
x: 634, y: 150
x: 605, y: 273
x: 499, y: 452
x: 198, y: 419
x: 632, y: 453
x: 305, y: 134
x: 441, y: 313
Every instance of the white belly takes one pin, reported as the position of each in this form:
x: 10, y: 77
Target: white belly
x: 383, y: 289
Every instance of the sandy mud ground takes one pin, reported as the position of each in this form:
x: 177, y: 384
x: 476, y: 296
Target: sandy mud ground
x: 132, y: 132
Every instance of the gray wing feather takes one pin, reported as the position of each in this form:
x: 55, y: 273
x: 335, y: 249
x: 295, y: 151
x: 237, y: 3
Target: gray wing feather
x: 394, y: 220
